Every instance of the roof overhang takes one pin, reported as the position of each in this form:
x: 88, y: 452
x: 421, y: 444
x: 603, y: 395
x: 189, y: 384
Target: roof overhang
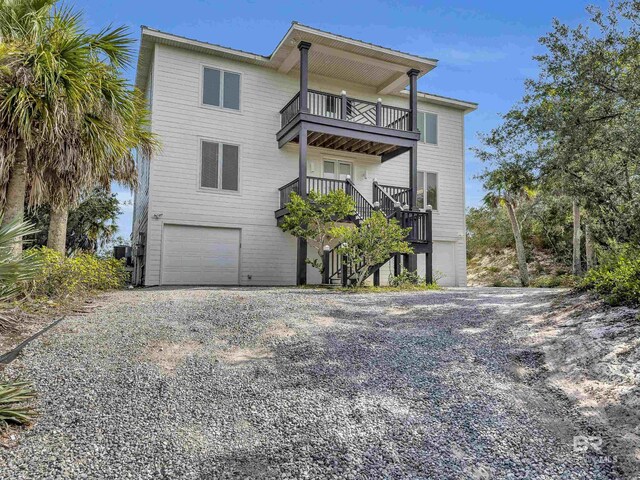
x: 463, y: 105
x: 150, y: 37
x: 330, y: 55
x: 347, y: 59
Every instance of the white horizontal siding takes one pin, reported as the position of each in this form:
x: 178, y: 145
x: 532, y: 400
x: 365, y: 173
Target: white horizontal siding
x: 267, y: 254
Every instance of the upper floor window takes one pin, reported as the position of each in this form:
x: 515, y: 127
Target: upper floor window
x: 219, y: 166
x: 428, y: 187
x: 221, y: 88
x: 428, y: 126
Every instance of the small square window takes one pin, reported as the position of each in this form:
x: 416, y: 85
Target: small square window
x: 219, y: 166
x: 221, y: 88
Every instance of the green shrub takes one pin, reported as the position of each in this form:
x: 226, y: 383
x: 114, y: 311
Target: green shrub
x: 406, y: 278
x: 371, y: 244
x: 61, y: 276
x: 410, y: 280
x: 554, y: 281
x: 617, y: 277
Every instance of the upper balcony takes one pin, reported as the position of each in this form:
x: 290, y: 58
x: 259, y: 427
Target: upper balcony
x: 349, y: 124
x: 350, y: 109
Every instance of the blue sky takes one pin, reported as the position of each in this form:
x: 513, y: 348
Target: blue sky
x: 484, y: 47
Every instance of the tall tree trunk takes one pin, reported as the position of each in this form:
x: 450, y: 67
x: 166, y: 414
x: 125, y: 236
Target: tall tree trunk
x: 520, y: 251
x: 577, y: 263
x: 57, y: 237
x: 16, y: 192
x: 588, y: 247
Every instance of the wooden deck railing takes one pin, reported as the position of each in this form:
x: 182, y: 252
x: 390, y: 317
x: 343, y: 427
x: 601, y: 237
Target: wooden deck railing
x: 420, y: 224
x: 350, y: 109
x: 399, y: 194
x: 317, y: 184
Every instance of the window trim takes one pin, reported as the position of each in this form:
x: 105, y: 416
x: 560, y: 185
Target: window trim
x: 222, y: 71
x: 218, y: 190
x: 425, y: 173
x: 337, y: 162
x: 437, y: 129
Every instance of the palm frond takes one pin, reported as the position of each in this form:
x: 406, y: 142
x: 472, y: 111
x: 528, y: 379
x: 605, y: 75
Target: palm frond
x: 11, y: 395
x: 14, y: 272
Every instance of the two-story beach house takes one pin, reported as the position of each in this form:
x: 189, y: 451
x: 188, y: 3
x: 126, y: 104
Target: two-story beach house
x: 241, y: 131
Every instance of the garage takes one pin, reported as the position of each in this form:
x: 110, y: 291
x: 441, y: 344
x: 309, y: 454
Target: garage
x: 196, y: 255
x: 444, y: 263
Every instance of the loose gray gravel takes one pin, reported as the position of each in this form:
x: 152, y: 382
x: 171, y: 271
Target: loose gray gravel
x: 287, y: 383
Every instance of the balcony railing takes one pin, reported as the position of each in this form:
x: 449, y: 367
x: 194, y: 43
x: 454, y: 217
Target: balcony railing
x: 317, y: 184
x: 350, y: 109
x: 420, y: 224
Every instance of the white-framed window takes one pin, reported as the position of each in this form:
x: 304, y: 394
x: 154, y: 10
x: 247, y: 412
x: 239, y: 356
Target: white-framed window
x: 219, y: 166
x: 428, y: 189
x: 220, y: 88
x: 336, y: 169
x: 428, y: 126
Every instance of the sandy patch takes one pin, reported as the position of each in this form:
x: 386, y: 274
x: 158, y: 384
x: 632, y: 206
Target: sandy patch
x: 592, y: 355
x: 279, y: 330
x: 236, y: 356
x: 397, y: 311
x: 168, y: 355
x: 324, y: 321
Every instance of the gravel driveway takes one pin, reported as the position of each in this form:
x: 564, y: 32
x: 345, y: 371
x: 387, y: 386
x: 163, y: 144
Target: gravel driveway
x: 289, y: 383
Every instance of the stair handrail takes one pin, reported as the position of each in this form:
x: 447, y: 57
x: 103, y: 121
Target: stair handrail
x: 364, y: 207
x: 387, y: 202
x: 285, y: 191
x: 399, y: 194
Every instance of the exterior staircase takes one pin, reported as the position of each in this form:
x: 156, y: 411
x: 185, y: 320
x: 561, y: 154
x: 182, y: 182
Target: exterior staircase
x: 387, y: 199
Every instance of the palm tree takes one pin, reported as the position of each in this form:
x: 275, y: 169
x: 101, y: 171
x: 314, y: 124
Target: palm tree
x: 23, y: 111
x: 67, y: 118
x: 96, y: 151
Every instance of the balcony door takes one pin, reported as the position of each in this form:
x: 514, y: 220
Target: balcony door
x: 336, y: 169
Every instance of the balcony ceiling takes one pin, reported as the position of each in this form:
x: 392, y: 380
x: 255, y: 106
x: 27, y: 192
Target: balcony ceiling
x: 347, y: 59
x: 345, y: 144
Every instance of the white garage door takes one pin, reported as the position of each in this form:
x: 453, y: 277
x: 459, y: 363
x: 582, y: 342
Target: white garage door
x: 444, y: 263
x: 200, y: 255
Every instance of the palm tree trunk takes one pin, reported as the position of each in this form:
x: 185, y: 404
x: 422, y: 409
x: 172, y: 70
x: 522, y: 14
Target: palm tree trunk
x: 57, y: 237
x: 16, y: 193
x: 577, y: 264
x: 520, y: 252
x: 588, y: 247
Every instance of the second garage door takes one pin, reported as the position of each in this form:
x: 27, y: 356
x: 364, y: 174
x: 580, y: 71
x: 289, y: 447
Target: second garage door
x: 444, y: 263
x: 193, y: 255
